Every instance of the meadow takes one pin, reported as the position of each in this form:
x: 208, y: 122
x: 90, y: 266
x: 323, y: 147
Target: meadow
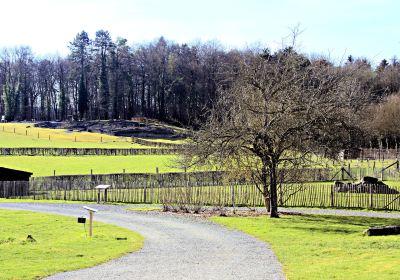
x: 325, y: 247
x: 18, y: 135
x: 45, y: 165
x: 61, y: 244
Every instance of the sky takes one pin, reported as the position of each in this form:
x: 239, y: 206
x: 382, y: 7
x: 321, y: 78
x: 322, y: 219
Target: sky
x: 333, y: 28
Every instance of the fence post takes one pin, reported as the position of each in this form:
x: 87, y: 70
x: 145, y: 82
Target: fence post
x: 371, y: 203
x: 65, y: 191
x: 33, y: 188
x: 233, y: 197
x: 145, y: 193
x: 332, y: 195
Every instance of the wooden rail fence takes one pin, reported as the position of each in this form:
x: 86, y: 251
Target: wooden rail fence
x: 83, y: 152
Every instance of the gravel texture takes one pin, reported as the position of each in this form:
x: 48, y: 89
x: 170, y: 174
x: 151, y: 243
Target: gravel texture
x: 176, y: 247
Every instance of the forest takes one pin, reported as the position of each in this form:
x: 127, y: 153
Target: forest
x: 177, y: 83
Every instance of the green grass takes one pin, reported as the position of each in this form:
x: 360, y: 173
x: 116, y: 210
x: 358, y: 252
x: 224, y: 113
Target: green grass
x: 166, y: 141
x: 61, y: 244
x: 325, y: 247
x: 44, y: 165
x: 144, y: 208
x: 28, y: 136
x: 14, y: 200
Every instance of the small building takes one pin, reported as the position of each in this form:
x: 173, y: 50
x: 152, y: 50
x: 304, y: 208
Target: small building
x: 14, y: 183
x: 8, y: 174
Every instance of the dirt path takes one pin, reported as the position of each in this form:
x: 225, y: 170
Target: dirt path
x: 175, y: 248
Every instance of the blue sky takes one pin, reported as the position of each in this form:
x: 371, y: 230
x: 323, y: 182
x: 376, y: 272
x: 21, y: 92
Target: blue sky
x: 367, y: 28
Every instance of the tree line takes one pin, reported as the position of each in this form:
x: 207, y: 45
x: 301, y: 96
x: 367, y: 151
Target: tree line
x: 102, y: 78
x: 106, y: 79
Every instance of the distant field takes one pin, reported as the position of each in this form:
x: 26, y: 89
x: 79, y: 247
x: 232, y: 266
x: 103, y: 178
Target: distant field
x: 44, y: 165
x: 166, y: 141
x: 28, y: 136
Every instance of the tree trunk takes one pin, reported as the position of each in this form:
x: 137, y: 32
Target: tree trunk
x: 273, y: 190
x: 265, y: 193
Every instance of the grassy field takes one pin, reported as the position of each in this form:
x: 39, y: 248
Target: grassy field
x: 28, y: 136
x: 61, y: 244
x: 325, y: 247
x: 166, y: 141
x: 45, y: 165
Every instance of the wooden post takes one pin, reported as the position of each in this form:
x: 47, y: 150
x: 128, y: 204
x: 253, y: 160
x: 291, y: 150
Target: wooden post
x: 144, y: 194
x: 333, y: 195
x: 373, y: 169
x: 54, y: 172
x: 105, y: 195
x: 233, y: 196
x: 26, y: 132
x: 371, y: 203
x: 90, y: 223
x: 98, y: 196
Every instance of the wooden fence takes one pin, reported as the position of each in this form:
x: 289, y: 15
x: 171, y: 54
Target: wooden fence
x: 379, y: 154
x: 388, y: 173
x: 156, y: 144
x: 202, y: 188
x: 14, y: 189
x: 83, y: 152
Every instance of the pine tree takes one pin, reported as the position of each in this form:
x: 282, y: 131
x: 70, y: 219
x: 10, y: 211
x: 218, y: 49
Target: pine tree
x: 80, y: 55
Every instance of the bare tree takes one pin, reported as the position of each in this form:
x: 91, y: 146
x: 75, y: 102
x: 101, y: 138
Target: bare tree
x: 279, y: 110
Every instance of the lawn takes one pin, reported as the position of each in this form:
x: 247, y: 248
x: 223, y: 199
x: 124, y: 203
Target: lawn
x: 45, y: 165
x: 61, y: 244
x: 325, y: 247
x: 28, y: 136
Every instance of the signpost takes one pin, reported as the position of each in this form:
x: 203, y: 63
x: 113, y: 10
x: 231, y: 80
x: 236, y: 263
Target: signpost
x: 91, y: 211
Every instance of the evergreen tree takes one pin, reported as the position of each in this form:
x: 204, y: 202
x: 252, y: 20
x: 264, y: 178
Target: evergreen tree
x: 80, y: 54
x: 103, y: 44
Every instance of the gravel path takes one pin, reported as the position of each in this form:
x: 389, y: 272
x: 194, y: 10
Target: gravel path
x: 175, y: 247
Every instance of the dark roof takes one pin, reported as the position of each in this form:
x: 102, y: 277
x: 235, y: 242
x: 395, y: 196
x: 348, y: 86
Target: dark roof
x: 8, y: 174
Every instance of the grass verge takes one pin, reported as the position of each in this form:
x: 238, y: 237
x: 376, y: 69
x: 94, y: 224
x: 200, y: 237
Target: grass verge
x: 325, y: 247
x: 61, y: 244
